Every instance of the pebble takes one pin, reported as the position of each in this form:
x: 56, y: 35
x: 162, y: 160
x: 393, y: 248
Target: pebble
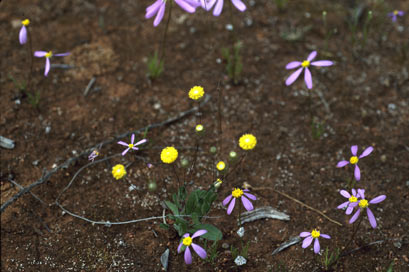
x: 6, y: 143
x: 240, y: 260
x: 225, y: 246
x: 240, y: 232
x: 164, y: 259
x: 47, y: 129
x: 383, y: 158
x: 229, y: 27
x: 156, y: 106
x: 35, y: 163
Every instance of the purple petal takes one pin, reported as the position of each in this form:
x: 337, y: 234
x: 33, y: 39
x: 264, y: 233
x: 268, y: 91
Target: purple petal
x: 354, y: 192
x: 62, y: 54
x: 188, y: 256
x: 227, y: 200
x: 252, y: 197
x: 342, y: 163
x: 231, y: 206
x: 39, y: 54
x: 394, y: 18
x: 132, y: 138
x: 123, y: 143
x: 153, y: 9
x: 326, y: 236
x: 312, y: 55
x: 353, y: 204
x: 305, y: 234
x: 293, y: 64
x: 135, y: 148
x: 47, y: 66
x: 199, y: 250
x: 308, y: 78
x: 357, y: 173
x: 371, y: 217
x: 239, y: 5
x: 218, y: 8
x: 343, y: 205
x: 316, y: 246
x: 246, y: 203
x: 378, y: 199
x: 186, y: 6
x: 350, y: 209
x: 23, y: 35
x: 185, y: 235
x: 180, y: 247
x: 307, y: 242
x: 345, y: 193
x: 361, y: 192
x: 355, y: 216
x: 199, y: 233
x: 159, y: 15
x: 125, y: 151
x: 141, y: 142
x: 400, y: 13
x: 293, y: 77
x: 354, y: 149
x: 322, y: 63
x: 366, y: 152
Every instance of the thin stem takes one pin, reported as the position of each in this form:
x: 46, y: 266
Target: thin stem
x: 354, y: 233
x: 162, y: 55
x: 235, y: 166
x: 176, y: 174
x: 30, y: 49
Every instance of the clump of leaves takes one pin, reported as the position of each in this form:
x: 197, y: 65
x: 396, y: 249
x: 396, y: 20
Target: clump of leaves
x: 317, y: 128
x: 189, y: 210
x: 243, y: 252
x: 155, y: 66
x: 329, y: 259
x: 281, y: 4
x: 33, y: 98
x: 234, y: 65
x: 212, y: 252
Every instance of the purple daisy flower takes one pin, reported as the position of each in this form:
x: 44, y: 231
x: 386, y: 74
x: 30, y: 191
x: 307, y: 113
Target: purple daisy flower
x: 394, y: 15
x: 313, y: 235
x: 23, y: 31
x: 93, y: 155
x: 131, y: 145
x: 304, y: 65
x: 159, y: 6
x: 354, y: 160
x: 187, y: 241
x: 48, y: 55
x: 352, y: 201
x: 238, y: 193
x: 208, y: 5
x: 364, y: 204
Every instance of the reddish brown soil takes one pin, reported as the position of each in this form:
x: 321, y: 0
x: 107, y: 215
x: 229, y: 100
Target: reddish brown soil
x: 367, y: 93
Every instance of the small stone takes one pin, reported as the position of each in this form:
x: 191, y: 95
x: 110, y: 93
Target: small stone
x: 240, y: 232
x: 229, y: 27
x: 383, y: 158
x: 240, y: 260
x: 47, y: 129
x: 164, y: 259
x: 17, y: 101
x: 407, y: 183
x: 218, y: 60
x: 6, y: 143
x: 397, y: 244
x: 35, y: 163
x: 225, y: 246
x: 156, y: 106
x: 131, y: 188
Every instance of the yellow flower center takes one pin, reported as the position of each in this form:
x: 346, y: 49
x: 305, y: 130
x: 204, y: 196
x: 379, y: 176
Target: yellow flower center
x: 353, y: 199
x: 363, y: 203
x: 305, y: 63
x: 395, y: 12
x: 199, y: 128
x: 25, y: 22
x: 315, y: 233
x: 247, y: 141
x: 49, y: 54
x: 237, y: 193
x: 169, y: 154
x: 187, y: 241
x: 196, y: 92
x: 118, y: 171
x: 353, y: 160
x: 130, y: 145
x: 221, y: 165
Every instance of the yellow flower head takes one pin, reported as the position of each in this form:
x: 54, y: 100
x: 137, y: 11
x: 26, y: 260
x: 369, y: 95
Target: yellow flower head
x: 199, y: 128
x: 25, y: 22
x: 196, y: 92
x: 49, y: 54
x: 118, y: 171
x: 220, y: 165
x: 315, y: 233
x: 169, y: 154
x: 247, y: 141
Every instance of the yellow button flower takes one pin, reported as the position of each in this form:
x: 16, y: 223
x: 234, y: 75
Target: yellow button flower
x: 220, y: 165
x: 196, y: 92
x: 169, y: 154
x: 247, y: 141
x: 118, y: 171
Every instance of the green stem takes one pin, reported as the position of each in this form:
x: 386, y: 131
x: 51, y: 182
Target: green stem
x: 30, y: 49
x: 164, y: 39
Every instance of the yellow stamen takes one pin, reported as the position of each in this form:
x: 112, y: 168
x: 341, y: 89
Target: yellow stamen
x: 49, y: 54
x: 305, y: 63
x: 315, y: 233
x: 353, y: 199
x: 237, y: 193
x: 395, y: 12
x: 187, y: 241
x: 353, y: 160
x: 25, y: 22
x: 130, y: 145
x: 363, y: 203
